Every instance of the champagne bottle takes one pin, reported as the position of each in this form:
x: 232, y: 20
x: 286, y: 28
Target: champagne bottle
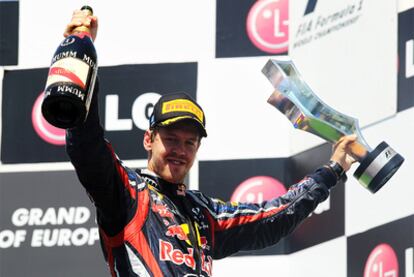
x: 71, y: 79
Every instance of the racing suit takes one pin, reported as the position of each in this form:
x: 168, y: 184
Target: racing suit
x: 149, y: 227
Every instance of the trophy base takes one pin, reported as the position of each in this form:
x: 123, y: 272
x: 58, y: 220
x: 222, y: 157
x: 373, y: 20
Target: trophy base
x: 378, y: 167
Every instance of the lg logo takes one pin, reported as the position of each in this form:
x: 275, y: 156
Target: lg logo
x: 258, y: 189
x: 267, y: 25
x: 383, y: 262
x: 43, y: 129
x: 140, y: 113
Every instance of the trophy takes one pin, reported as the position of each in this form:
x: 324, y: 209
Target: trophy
x: 296, y: 100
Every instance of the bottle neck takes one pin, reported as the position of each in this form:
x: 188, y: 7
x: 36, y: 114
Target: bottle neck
x: 81, y: 29
x: 82, y: 32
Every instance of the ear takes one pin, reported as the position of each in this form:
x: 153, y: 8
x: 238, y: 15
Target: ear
x: 147, y: 140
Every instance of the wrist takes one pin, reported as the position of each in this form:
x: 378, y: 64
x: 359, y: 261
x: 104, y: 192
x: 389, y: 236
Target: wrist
x: 337, y: 170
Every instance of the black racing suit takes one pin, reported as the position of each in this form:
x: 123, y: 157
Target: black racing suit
x: 149, y: 227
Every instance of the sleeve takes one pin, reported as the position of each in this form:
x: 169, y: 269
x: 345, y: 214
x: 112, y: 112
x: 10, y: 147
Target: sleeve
x: 100, y: 172
x: 246, y: 226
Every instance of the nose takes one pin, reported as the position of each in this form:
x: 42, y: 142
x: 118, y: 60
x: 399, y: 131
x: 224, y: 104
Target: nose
x: 179, y: 148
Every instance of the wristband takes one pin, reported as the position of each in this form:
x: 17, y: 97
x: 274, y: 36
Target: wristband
x: 337, y: 169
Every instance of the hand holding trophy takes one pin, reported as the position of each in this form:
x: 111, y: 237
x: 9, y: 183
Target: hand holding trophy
x: 295, y: 99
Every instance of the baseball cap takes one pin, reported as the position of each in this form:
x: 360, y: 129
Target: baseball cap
x: 175, y: 107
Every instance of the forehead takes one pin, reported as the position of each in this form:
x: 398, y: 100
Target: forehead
x: 183, y: 127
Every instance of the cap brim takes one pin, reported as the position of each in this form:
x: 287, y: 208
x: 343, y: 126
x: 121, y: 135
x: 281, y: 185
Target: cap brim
x: 173, y: 120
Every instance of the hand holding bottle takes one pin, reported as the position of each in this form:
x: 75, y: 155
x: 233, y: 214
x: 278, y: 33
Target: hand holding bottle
x: 82, y: 20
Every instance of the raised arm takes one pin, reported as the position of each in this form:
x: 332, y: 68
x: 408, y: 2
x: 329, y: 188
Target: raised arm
x: 97, y: 167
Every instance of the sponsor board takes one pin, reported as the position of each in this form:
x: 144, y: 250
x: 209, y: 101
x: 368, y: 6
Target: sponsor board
x: 384, y: 251
x: 20, y: 141
x: 329, y: 213
x: 252, y: 28
x: 257, y: 180
x: 48, y: 224
x: 127, y: 95
x: 9, y: 32
x: 220, y: 179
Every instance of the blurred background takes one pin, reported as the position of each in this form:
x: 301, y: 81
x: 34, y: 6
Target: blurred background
x: 356, y: 55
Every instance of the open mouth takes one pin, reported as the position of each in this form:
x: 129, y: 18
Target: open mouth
x: 176, y: 161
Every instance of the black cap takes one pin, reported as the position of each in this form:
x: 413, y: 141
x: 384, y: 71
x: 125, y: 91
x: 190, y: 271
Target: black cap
x: 86, y: 7
x: 174, y: 107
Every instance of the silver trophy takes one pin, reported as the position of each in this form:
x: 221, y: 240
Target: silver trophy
x: 295, y: 99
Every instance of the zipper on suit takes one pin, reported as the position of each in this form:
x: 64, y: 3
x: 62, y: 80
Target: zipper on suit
x: 194, y: 242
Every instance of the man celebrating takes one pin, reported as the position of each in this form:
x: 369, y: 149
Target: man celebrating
x: 150, y: 224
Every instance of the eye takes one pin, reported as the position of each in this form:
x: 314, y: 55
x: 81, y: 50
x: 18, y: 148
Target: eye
x: 191, y: 143
x: 170, y: 139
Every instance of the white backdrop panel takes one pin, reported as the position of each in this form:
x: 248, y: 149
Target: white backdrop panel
x: 353, y: 68
x: 365, y: 210
x: 240, y: 123
x: 308, y: 262
x: 129, y: 31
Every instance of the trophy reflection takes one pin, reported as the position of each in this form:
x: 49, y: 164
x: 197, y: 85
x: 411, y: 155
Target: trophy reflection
x: 294, y: 98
